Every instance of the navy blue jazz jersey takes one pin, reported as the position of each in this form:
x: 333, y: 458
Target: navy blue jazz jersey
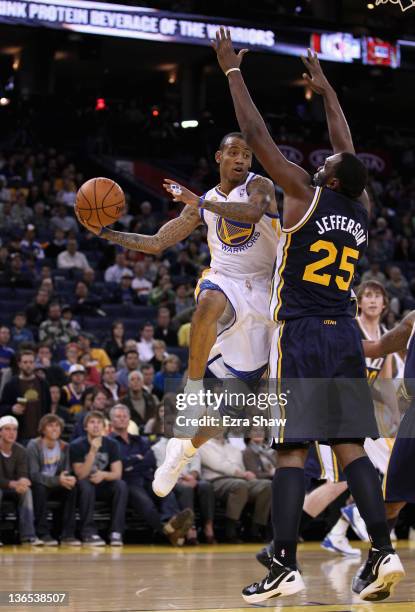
x: 316, y: 349
x: 316, y: 259
x: 399, y: 482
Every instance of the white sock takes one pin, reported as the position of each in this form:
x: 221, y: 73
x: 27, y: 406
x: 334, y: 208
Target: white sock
x: 340, y: 528
x: 188, y: 448
x: 193, y: 386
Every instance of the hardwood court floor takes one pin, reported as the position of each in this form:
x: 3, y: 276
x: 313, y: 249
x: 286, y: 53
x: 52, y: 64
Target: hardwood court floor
x: 208, y: 579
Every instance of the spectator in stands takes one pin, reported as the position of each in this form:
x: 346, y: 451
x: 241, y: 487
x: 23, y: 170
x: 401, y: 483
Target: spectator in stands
x: 71, y: 258
x: 99, y: 403
x: 92, y: 375
x: 30, y: 246
x: 72, y: 393
x: 67, y: 315
x: 138, y: 469
x: 101, y: 358
x: 89, y: 277
x: 164, y: 330
x: 162, y: 294
x: 184, y: 298
x: 398, y: 289
x: 85, y: 303
x: 20, y: 333
x: 148, y: 219
x: 14, y: 479
x: 160, y: 354
x: 55, y: 330
x: 64, y: 221
x: 183, y: 266
x: 145, y: 344
x: 169, y: 377
x: 41, y: 222
x: 190, y: 486
x: 57, y: 245
x: 129, y: 345
x: 44, y: 362
x: 16, y: 276
x: 223, y: 466
x: 56, y: 406
x: 71, y: 353
x: 114, y: 273
x: 374, y: 273
x: 142, y: 404
x: 97, y: 464
x: 67, y: 194
x: 109, y: 383
x: 6, y: 351
x: 38, y: 310
x: 141, y: 285
x: 259, y: 458
x: 132, y: 364
x: 114, y: 346
x: 124, y: 293
x: 147, y: 370
x: 26, y: 396
x: 183, y: 335
x: 49, y: 469
x: 21, y: 214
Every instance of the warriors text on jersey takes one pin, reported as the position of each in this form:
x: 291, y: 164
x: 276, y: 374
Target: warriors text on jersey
x: 316, y: 259
x: 373, y: 366
x: 240, y: 249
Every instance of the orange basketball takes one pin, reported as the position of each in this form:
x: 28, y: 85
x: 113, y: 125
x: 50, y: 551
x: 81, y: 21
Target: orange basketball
x: 100, y: 202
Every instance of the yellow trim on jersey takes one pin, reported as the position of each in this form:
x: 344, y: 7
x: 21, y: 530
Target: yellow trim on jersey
x: 385, y: 479
x: 280, y: 278
x: 335, y: 467
x: 322, y: 468
x: 312, y: 208
x: 279, y: 368
x: 197, y: 290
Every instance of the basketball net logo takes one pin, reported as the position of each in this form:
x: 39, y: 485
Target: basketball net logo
x: 404, y: 4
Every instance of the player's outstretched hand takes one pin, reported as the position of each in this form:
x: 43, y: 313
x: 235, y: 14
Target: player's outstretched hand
x: 316, y: 79
x: 180, y: 193
x: 227, y: 57
x: 91, y: 228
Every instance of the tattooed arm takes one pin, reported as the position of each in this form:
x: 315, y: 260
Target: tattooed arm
x: 395, y: 340
x: 261, y: 200
x: 168, y: 235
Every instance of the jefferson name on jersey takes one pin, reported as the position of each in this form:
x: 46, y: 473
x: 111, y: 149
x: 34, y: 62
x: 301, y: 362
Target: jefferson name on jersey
x: 340, y: 222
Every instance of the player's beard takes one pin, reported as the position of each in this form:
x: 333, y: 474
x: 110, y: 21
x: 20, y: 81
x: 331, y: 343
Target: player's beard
x: 319, y: 179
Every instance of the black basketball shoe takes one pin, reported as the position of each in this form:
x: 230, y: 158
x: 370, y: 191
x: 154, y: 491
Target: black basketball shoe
x: 377, y: 578
x: 280, y: 582
x: 265, y: 555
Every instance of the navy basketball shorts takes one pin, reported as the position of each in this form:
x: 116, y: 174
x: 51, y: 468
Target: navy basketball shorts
x: 317, y: 365
x: 399, y: 481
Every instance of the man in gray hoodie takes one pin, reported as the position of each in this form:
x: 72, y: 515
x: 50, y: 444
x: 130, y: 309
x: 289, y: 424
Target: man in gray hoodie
x: 49, y: 472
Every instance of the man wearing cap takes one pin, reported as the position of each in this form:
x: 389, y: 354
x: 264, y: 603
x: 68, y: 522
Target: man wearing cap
x: 72, y: 392
x: 56, y: 330
x: 14, y: 479
x: 26, y: 396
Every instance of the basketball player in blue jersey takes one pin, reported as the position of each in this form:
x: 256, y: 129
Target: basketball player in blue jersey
x: 323, y: 238
x: 231, y: 329
x: 399, y: 482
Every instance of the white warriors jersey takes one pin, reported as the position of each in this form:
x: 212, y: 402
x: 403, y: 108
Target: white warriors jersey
x: 240, y: 249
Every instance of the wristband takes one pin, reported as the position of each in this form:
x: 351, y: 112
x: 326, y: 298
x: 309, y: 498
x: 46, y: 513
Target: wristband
x: 200, y: 203
x: 227, y: 73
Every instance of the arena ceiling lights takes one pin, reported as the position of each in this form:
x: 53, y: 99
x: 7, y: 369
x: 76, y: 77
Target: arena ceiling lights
x: 151, y: 24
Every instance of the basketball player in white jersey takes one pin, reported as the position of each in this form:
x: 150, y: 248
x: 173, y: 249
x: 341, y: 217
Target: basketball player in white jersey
x: 231, y: 329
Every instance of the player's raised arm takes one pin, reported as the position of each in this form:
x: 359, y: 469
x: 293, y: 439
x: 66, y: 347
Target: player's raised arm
x: 168, y: 235
x: 293, y: 179
x: 261, y: 200
x: 339, y: 132
x: 395, y: 340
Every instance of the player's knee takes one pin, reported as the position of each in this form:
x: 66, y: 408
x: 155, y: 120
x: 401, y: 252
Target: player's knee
x: 210, y: 306
x: 294, y: 458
